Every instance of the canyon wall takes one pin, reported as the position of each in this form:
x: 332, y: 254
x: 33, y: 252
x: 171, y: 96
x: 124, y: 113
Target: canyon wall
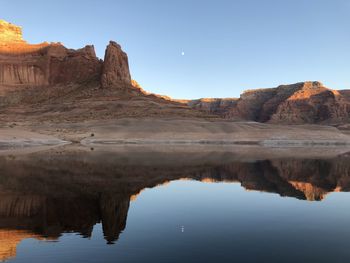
x: 23, y: 64
x: 304, y: 102
x: 49, y: 64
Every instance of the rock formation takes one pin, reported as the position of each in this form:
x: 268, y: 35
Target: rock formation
x: 48, y: 78
x: 10, y: 33
x: 51, y: 63
x: 9, y: 239
x: 115, y: 66
x: 305, y: 102
x: 47, y: 64
x: 214, y: 106
x: 23, y: 64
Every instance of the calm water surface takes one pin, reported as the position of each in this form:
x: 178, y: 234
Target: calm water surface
x: 102, y: 207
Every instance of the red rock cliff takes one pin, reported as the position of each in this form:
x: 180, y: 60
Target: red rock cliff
x: 23, y: 64
x: 115, y: 67
x: 304, y: 102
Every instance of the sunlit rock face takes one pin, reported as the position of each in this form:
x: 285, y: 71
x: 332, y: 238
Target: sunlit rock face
x: 313, y: 103
x: 10, y: 33
x: 304, y: 102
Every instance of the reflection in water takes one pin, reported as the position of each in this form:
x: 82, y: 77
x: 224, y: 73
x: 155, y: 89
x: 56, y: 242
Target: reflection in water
x: 43, y: 196
x: 9, y: 239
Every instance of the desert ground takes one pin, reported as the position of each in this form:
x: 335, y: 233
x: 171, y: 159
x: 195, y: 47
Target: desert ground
x: 168, y: 132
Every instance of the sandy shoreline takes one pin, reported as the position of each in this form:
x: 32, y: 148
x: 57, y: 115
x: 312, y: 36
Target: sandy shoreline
x: 170, y: 132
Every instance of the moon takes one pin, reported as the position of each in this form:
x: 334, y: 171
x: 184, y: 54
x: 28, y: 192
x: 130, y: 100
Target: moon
x: 182, y: 53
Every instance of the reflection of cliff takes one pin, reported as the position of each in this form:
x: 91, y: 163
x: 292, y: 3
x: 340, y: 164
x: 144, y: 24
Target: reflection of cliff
x: 50, y: 216
x: 9, y: 239
x: 45, y: 197
x: 114, y: 211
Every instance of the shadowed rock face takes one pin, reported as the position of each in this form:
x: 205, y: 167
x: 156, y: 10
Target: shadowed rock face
x: 214, y: 106
x: 115, y: 66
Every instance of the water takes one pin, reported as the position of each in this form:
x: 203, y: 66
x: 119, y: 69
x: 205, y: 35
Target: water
x: 102, y: 206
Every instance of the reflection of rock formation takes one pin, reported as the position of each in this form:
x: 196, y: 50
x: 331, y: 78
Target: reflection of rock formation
x: 311, y: 192
x: 114, y: 211
x: 9, y: 239
x: 50, y: 216
x: 45, y: 197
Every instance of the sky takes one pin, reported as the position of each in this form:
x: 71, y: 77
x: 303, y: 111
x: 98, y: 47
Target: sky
x: 202, y: 48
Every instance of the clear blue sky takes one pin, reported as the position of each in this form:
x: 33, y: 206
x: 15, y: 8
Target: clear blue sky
x: 229, y: 45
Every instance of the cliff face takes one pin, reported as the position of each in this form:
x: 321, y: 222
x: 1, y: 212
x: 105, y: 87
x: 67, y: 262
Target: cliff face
x: 23, y: 64
x: 313, y: 103
x: 214, y: 106
x: 51, y: 63
x: 305, y: 102
x: 115, y: 66
x: 48, y: 65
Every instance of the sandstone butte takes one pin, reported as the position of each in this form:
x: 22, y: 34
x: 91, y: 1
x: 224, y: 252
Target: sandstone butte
x: 81, y: 86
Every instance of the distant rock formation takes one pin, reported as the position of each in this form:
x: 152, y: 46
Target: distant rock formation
x: 304, y: 102
x: 213, y: 105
